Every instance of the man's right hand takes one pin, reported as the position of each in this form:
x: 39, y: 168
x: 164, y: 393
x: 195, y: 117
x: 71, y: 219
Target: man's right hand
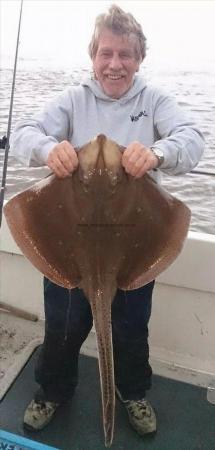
x: 62, y: 159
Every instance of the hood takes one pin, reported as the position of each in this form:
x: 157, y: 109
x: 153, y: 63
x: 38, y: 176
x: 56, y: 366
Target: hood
x: 138, y: 85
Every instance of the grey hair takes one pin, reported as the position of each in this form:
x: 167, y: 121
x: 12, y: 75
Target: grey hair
x: 119, y: 23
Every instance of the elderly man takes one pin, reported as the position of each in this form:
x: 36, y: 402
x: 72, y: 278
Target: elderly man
x: 158, y: 137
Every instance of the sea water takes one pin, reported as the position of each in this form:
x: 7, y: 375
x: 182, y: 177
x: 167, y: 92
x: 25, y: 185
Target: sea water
x: 194, y: 91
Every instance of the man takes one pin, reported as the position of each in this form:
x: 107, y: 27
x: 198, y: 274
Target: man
x: 156, y: 134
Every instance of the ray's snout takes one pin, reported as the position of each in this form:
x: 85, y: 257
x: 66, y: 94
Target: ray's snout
x: 100, y: 157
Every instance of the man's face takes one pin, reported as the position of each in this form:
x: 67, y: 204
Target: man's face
x: 115, y: 63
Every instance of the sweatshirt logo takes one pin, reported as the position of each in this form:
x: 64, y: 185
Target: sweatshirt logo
x: 141, y: 113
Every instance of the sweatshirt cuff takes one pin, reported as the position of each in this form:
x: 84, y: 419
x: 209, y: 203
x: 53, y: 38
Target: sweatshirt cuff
x: 170, y: 158
x: 45, y: 150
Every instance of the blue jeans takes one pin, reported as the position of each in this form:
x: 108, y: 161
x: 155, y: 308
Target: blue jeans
x: 68, y: 323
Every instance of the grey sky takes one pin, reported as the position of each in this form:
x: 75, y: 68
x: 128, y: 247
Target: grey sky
x: 179, y: 33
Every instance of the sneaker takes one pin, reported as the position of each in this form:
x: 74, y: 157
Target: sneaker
x: 141, y: 415
x: 38, y: 414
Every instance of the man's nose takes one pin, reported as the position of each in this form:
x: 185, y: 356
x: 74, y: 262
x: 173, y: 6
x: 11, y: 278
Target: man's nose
x: 115, y: 62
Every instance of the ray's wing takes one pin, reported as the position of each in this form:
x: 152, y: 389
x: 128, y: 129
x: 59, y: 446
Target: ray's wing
x: 153, y: 232
x: 42, y: 220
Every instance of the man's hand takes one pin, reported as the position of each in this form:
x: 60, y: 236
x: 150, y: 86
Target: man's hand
x: 138, y: 159
x: 62, y: 159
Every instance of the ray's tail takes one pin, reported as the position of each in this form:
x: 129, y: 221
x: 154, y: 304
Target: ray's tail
x: 101, y: 309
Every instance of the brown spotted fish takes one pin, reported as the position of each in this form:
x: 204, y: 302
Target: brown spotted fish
x: 99, y: 229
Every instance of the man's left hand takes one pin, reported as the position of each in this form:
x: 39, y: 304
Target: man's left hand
x: 138, y: 159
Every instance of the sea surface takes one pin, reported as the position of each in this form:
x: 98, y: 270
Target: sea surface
x: 194, y: 90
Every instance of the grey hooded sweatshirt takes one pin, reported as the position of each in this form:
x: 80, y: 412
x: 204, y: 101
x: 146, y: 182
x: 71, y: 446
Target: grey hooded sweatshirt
x: 145, y: 114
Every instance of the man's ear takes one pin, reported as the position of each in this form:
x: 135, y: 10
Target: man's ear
x: 139, y: 62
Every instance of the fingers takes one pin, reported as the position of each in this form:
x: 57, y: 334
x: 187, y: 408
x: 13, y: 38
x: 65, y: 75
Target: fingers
x: 62, y: 159
x: 138, y: 159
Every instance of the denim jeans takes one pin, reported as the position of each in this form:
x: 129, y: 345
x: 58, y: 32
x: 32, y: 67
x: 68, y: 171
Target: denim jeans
x: 68, y: 323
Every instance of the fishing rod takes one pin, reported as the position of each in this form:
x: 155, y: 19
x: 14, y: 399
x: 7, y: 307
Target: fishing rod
x: 202, y: 172
x: 7, y: 146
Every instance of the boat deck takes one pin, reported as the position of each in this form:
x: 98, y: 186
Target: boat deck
x: 186, y: 420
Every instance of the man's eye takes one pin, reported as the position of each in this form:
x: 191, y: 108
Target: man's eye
x: 106, y: 54
x: 125, y: 55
